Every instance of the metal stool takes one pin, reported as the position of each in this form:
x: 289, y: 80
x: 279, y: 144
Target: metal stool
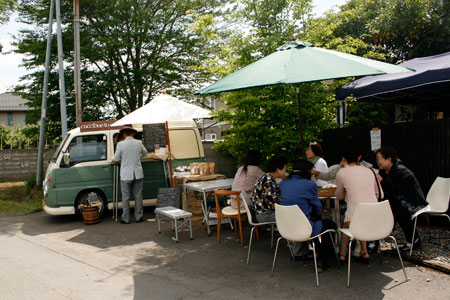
x: 174, y: 214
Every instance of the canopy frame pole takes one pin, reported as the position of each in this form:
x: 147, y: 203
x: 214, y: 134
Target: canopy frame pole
x: 170, y: 154
x: 300, y: 123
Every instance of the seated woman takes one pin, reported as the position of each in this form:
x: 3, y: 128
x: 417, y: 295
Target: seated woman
x: 247, y: 175
x: 300, y: 190
x: 330, y: 175
x: 266, y: 191
x: 356, y: 184
x: 313, y: 153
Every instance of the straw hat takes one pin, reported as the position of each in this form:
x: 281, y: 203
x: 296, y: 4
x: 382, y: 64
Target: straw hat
x: 127, y: 128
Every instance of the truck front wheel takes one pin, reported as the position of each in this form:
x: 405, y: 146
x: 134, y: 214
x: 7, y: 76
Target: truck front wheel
x: 83, y: 198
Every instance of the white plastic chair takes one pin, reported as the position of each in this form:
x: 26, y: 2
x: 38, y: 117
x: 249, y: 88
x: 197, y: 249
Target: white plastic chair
x: 247, y: 203
x: 437, y: 198
x: 371, y: 222
x: 293, y: 225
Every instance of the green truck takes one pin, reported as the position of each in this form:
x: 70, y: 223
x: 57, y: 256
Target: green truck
x: 83, y: 163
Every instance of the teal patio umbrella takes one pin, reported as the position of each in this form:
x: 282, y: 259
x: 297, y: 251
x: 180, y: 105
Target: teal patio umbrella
x: 297, y: 62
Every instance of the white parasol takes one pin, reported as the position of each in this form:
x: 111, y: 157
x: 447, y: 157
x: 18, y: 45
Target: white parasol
x: 164, y: 108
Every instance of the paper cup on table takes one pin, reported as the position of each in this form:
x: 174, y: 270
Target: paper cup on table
x: 194, y: 169
x: 211, y: 166
x: 204, y: 169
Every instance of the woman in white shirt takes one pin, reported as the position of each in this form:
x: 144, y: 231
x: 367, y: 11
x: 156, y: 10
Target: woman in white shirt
x: 313, y: 153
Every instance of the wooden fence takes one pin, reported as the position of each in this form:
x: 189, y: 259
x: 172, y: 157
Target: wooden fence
x: 423, y: 146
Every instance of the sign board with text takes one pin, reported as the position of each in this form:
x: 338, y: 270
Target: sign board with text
x: 375, y: 139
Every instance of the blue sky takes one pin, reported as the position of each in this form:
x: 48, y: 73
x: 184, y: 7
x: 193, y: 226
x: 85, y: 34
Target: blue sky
x: 10, y: 69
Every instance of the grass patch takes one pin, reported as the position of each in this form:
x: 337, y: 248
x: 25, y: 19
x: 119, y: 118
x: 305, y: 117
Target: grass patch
x: 20, y: 200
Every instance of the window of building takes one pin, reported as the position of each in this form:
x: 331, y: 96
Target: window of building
x: 210, y: 137
x: 10, y: 119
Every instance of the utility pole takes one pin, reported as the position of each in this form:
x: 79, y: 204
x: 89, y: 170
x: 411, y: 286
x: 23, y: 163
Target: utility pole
x: 76, y: 62
x: 44, y: 98
x: 62, y: 85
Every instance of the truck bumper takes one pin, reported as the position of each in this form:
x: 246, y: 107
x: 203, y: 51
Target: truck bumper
x: 58, y: 211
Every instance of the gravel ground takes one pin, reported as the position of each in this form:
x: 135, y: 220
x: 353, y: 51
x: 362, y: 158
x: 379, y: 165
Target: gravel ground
x: 435, y: 249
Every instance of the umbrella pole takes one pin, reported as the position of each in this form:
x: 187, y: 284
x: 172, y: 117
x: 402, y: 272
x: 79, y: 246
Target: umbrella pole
x: 300, y: 123
x: 170, y: 154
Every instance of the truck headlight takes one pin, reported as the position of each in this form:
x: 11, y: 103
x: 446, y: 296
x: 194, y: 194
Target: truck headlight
x: 45, y: 187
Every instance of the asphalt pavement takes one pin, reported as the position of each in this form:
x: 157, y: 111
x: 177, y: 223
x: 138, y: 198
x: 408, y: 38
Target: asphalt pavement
x: 58, y: 257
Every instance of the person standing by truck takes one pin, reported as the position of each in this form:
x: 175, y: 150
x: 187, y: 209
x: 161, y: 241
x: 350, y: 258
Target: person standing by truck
x: 129, y: 152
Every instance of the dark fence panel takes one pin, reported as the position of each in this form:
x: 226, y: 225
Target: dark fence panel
x: 225, y: 164
x: 423, y: 146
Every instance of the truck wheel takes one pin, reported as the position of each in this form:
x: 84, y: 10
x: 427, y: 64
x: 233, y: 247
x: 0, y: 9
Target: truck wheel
x: 84, y: 196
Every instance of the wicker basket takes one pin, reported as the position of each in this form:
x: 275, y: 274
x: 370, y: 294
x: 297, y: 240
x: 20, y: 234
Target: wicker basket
x: 90, y: 215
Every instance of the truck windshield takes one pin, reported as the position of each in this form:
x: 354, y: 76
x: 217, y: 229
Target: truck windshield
x: 56, y: 154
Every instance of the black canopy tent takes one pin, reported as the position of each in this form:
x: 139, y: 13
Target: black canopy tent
x: 424, y: 145
x: 428, y: 85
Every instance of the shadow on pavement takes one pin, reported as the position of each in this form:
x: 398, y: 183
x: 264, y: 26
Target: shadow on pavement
x: 202, y: 268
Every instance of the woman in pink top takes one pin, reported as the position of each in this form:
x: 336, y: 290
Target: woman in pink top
x: 247, y: 175
x: 355, y: 184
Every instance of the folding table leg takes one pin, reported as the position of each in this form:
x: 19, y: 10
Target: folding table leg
x: 159, y: 222
x: 176, y: 230
x: 190, y: 227
x: 206, y: 212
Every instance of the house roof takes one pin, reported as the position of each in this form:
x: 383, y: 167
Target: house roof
x: 10, y: 102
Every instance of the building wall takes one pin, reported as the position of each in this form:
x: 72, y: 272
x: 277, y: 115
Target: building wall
x: 21, y: 163
x: 19, y: 119
x: 225, y: 164
x: 218, y: 130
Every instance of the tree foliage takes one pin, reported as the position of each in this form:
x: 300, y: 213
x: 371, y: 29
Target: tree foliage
x: 391, y: 31
x: 27, y: 136
x: 130, y: 52
x: 266, y: 119
x: 6, y: 7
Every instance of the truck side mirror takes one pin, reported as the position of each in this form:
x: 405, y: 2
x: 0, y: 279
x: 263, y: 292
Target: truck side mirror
x: 66, y: 158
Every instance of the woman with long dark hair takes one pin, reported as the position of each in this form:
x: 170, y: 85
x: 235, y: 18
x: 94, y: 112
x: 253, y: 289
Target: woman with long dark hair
x: 247, y: 175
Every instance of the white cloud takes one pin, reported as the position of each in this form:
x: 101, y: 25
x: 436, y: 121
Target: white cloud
x: 10, y: 70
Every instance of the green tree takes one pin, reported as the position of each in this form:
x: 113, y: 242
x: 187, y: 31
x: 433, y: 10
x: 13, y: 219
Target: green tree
x: 266, y: 119
x: 130, y: 51
x: 412, y: 28
x: 6, y: 7
x: 28, y: 136
x: 390, y: 31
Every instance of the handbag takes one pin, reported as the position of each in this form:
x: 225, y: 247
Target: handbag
x: 378, y: 184
x: 316, y: 217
